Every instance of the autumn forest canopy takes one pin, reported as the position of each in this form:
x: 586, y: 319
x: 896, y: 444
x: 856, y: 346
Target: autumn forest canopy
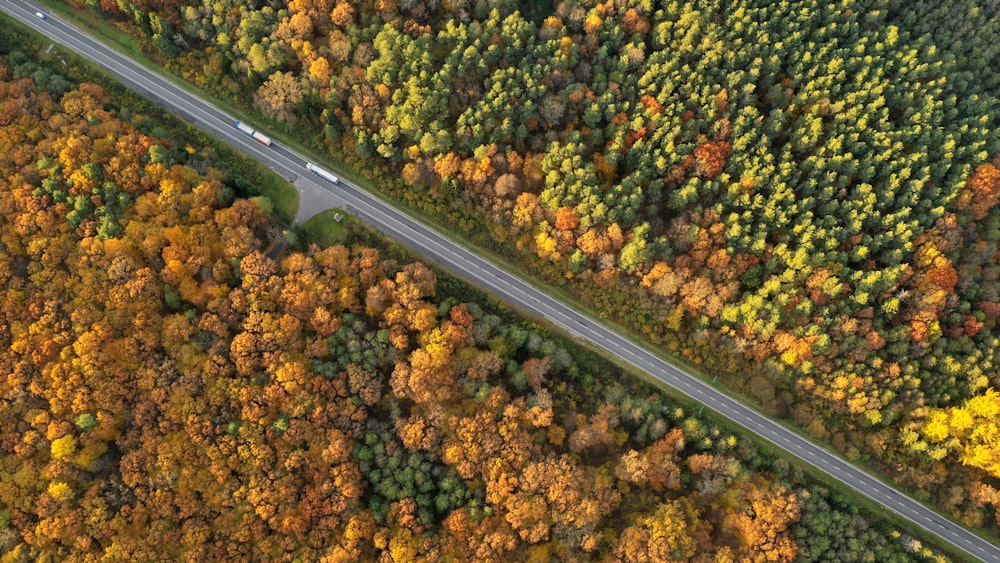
x: 171, y: 390
x: 799, y: 196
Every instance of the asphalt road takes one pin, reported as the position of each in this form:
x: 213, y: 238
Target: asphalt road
x: 467, y: 265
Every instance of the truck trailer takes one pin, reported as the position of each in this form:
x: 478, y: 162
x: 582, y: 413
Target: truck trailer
x: 245, y: 128
x: 322, y: 173
x: 261, y: 138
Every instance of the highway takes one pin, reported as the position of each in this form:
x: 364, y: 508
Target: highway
x: 430, y: 243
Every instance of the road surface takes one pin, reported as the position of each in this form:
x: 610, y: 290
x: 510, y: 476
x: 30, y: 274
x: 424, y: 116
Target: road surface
x: 470, y: 266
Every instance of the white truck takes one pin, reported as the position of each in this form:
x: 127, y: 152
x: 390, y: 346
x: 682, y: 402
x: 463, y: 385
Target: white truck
x: 261, y: 138
x: 322, y: 173
x: 245, y: 128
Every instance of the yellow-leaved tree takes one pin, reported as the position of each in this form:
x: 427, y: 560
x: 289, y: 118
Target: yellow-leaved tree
x: 972, y: 430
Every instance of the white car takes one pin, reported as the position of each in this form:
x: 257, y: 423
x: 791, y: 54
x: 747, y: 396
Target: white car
x: 40, y: 15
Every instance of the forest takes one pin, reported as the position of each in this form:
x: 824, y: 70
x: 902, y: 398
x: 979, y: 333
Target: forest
x: 173, y: 389
x: 799, y: 196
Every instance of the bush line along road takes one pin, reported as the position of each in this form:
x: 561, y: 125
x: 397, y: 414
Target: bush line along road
x: 465, y: 264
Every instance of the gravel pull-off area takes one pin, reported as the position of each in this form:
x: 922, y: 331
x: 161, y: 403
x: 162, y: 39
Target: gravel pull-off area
x: 313, y: 199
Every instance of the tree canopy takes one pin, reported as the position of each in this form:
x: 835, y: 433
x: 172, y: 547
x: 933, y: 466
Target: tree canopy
x: 171, y: 391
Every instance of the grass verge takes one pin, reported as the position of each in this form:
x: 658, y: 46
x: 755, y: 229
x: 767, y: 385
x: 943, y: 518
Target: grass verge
x: 324, y: 230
